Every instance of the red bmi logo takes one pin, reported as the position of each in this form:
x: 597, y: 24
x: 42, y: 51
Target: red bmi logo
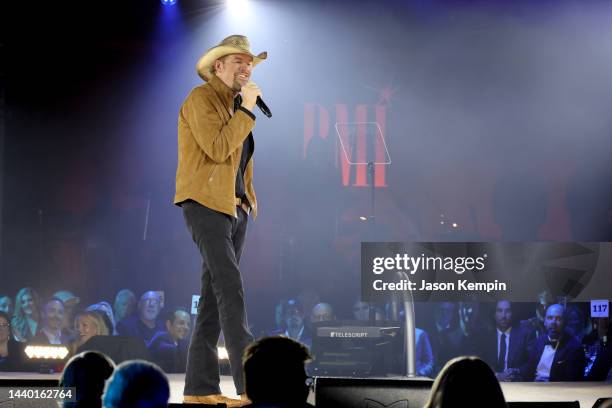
x: 359, y: 140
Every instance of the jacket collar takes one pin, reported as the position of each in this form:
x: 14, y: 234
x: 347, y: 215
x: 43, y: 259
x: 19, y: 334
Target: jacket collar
x: 226, y: 93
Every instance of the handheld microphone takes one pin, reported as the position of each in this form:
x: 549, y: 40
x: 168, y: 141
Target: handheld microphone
x: 263, y: 107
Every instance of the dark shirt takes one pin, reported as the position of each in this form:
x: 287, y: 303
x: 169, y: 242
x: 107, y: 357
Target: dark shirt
x: 16, y: 358
x: 134, y: 327
x: 170, y: 356
x: 247, y: 151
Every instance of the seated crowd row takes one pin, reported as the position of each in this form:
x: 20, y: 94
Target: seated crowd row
x: 59, y: 321
x: 543, y: 348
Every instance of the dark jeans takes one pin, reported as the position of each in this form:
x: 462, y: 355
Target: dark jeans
x: 220, y: 239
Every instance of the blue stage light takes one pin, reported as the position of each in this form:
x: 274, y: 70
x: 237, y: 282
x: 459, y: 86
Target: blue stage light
x: 168, y: 2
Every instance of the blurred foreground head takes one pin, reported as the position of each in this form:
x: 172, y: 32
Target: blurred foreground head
x: 87, y: 372
x: 466, y: 382
x: 274, y: 371
x: 137, y: 384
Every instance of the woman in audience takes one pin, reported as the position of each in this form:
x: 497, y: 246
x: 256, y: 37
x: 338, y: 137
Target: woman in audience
x: 5, y: 337
x: 6, y: 304
x: 9, y: 349
x: 105, y: 307
x: 26, y: 319
x: 125, y: 304
x: 87, y: 372
x: 466, y: 382
x: 87, y: 325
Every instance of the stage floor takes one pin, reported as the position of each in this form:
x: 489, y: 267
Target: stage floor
x: 586, y: 393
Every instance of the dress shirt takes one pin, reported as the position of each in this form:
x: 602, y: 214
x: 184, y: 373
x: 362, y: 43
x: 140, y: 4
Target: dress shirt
x: 545, y: 364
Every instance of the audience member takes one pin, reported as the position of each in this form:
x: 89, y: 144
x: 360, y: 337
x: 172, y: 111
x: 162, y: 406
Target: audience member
x: 466, y: 382
x: 363, y: 311
x: 87, y: 325
x: 278, y: 317
x: 507, y: 345
x: 321, y: 312
x: 87, y: 372
x: 5, y: 336
x: 576, y: 322
x: 6, y: 304
x: 557, y: 356
x: 308, y: 298
x: 136, y: 384
x: 598, y: 350
x: 169, y: 348
x: 27, y: 314
x: 468, y: 339
x: 105, y: 307
x: 125, y: 304
x: 423, y: 351
x: 11, y: 352
x: 534, y: 326
x: 424, y: 355
x: 70, y: 302
x: 293, y: 324
x: 52, y: 317
x: 445, y: 323
x: 146, y: 323
x: 274, y: 373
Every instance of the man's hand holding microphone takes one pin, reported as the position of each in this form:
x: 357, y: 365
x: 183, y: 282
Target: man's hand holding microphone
x: 251, y: 96
x: 250, y: 92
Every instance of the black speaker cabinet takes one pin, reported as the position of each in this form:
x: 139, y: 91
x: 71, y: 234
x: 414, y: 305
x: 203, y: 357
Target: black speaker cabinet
x: 331, y: 392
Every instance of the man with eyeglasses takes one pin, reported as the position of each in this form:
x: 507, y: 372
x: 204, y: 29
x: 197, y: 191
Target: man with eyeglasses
x: 145, y: 323
x: 11, y: 351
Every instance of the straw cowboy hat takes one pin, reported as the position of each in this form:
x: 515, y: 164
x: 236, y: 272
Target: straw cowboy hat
x: 234, y: 44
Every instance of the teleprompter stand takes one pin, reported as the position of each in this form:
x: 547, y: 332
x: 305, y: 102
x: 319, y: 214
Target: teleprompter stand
x: 362, y: 144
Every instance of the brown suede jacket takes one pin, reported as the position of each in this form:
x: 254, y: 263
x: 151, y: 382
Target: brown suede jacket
x: 209, y: 148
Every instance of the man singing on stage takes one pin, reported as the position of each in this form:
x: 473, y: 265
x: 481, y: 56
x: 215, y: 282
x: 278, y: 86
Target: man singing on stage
x: 214, y: 187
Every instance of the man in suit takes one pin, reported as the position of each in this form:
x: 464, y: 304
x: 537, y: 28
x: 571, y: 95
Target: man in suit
x: 467, y: 339
x: 51, y: 328
x: 169, y: 348
x: 508, y: 347
x: 444, y: 323
x: 557, y: 356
